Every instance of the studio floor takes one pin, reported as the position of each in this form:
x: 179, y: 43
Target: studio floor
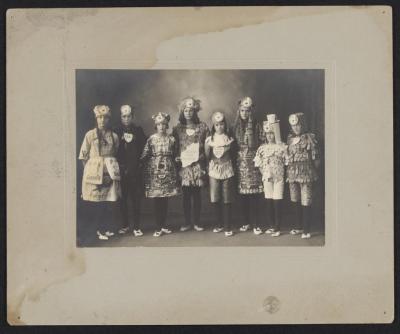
x: 86, y: 231
x: 193, y: 238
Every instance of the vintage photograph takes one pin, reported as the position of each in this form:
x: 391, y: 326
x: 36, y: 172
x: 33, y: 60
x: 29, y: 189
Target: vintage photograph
x: 200, y: 157
x: 200, y: 165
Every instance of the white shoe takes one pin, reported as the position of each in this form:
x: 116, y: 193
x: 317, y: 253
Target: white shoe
x: 198, y: 228
x: 185, y: 228
x: 166, y: 230
x: 218, y: 229
x: 270, y: 230
x: 102, y: 236
x: 306, y: 236
x: 109, y: 234
x: 257, y: 231
x: 244, y: 228
x: 276, y: 234
x: 157, y: 233
x: 123, y: 230
x: 228, y: 233
x: 294, y: 232
x: 137, y: 233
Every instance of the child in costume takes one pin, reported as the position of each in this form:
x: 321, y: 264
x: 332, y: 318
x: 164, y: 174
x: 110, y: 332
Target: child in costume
x: 160, y: 176
x: 132, y: 140
x: 101, y: 178
x: 190, y: 135
x: 303, y: 161
x: 218, y: 148
x: 271, y: 158
x: 248, y: 136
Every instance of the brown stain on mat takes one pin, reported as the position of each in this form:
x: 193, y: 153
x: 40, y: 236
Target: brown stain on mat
x: 75, y: 266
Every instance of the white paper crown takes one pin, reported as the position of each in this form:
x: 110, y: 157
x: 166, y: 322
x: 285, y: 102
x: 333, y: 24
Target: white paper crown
x: 246, y: 102
x: 296, y: 118
x: 217, y: 117
x: 126, y: 110
x: 161, y: 117
x: 102, y: 110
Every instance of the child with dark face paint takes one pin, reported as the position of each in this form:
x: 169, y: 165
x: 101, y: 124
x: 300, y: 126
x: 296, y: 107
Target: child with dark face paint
x: 303, y: 161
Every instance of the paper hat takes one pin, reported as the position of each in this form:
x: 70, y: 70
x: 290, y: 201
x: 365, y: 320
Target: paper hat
x: 297, y: 118
x: 102, y: 110
x: 189, y: 102
x: 272, y: 125
x: 217, y: 117
x: 246, y: 102
x: 161, y: 117
x: 126, y: 110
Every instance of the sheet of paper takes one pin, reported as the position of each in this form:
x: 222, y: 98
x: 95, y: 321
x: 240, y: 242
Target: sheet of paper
x: 190, y: 154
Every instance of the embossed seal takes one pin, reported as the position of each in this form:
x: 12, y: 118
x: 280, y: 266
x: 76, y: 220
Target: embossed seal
x: 271, y: 304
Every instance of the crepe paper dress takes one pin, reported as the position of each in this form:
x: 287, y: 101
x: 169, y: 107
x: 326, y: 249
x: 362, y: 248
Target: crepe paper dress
x: 302, y: 151
x: 271, y: 160
x: 192, y: 135
x: 248, y: 175
x: 100, y: 182
x: 220, y: 168
x: 160, y: 174
x: 220, y: 163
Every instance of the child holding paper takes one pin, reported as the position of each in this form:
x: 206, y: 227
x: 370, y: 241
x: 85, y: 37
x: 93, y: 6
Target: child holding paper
x: 190, y: 135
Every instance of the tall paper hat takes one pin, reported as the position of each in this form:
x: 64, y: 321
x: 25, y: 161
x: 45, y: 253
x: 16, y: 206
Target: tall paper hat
x: 272, y: 125
x: 102, y: 110
x: 161, y: 117
x: 126, y: 110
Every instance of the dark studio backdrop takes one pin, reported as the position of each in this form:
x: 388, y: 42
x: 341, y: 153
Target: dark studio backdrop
x: 149, y: 91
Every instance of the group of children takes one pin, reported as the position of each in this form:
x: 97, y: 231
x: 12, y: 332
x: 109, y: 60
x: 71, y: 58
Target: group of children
x: 249, y: 161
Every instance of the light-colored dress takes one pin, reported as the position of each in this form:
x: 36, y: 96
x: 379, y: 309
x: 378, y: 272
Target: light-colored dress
x: 271, y: 159
x: 102, y: 187
x: 160, y: 175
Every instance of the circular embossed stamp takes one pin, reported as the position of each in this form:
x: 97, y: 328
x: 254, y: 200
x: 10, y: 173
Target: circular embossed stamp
x: 271, y: 304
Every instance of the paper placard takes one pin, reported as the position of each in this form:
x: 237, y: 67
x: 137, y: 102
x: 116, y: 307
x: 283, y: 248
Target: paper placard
x: 190, y: 155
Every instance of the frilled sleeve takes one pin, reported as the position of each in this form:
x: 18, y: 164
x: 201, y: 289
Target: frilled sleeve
x: 85, y: 148
x: 258, y: 157
x: 285, y: 154
x: 312, y: 146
